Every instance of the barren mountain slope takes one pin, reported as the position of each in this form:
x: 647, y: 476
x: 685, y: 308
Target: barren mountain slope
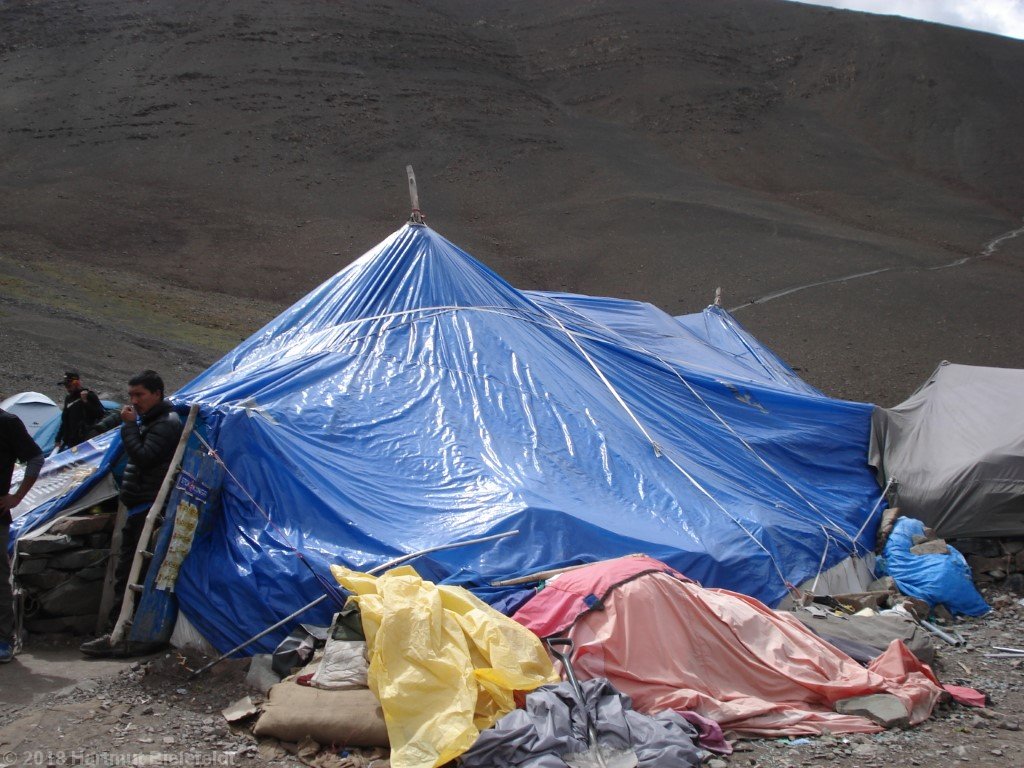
x: 172, y: 173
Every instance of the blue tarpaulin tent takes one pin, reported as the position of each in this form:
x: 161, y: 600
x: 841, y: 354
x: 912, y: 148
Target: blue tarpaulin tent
x: 416, y: 399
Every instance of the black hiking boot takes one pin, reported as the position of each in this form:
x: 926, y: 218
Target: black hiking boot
x: 99, y: 648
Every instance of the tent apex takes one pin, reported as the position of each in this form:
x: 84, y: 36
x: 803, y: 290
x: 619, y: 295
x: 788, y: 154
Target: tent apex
x: 416, y: 216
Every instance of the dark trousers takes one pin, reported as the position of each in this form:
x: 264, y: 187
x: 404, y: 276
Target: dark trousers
x: 130, y: 535
x: 6, y: 594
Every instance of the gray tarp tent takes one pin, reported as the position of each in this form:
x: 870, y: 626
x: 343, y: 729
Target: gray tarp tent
x: 956, y: 449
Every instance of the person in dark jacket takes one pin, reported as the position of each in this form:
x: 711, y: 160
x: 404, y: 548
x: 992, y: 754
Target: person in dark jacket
x: 82, y: 410
x: 15, y: 445
x: 150, y: 431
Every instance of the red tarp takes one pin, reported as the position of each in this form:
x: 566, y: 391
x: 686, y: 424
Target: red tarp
x: 669, y: 643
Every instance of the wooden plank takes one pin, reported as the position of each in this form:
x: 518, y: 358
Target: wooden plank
x: 107, y: 600
x: 544, y: 575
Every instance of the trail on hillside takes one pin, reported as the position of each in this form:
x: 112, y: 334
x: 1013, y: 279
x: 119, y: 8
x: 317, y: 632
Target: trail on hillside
x: 988, y: 250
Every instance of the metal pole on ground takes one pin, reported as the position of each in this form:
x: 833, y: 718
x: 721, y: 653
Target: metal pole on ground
x: 372, y: 571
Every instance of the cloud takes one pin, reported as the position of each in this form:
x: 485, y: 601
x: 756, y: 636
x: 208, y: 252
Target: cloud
x: 1000, y: 17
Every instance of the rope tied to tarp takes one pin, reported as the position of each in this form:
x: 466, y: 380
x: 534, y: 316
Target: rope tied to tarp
x: 871, y: 514
x: 659, y: 452
x: 729, y: 428
x: 421, y: 314
x: 329, y: 588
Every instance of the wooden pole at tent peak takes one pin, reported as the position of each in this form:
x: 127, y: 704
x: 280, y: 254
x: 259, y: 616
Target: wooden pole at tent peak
x: 416, y: 217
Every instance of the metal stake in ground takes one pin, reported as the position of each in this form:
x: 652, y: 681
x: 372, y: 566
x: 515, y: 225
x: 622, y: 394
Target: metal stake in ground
x: 595, y: 755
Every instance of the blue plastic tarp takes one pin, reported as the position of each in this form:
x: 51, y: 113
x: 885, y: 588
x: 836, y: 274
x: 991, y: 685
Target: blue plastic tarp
x: 65, y: 479
x: 416, y: 399
x: 936, y: 578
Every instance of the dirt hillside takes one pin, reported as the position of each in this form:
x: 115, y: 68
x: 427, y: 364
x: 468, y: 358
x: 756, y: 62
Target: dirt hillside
x: 173, y: 174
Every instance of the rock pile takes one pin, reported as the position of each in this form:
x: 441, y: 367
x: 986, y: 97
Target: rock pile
x: 62, y: 573
x: 995, y: 561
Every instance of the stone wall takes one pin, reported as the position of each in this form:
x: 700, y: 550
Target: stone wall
x: 62, y: 573
x: 995, y: 561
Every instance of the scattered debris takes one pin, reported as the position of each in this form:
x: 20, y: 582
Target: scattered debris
x: 261, y: 675
x: 882, y: 708
x: 240, y: 710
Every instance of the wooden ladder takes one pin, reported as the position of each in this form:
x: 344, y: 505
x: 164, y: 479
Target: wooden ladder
x: 144, y: 551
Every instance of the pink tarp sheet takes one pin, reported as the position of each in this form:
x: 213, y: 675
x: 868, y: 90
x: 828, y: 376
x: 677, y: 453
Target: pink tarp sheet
x: 669, y: 643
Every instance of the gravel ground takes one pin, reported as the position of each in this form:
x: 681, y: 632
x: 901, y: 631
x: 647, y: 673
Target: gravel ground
x: 176, y: 175
x: 152, y: 713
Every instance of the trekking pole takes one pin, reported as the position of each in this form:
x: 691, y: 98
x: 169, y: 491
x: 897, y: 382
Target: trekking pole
x: 372, y: 571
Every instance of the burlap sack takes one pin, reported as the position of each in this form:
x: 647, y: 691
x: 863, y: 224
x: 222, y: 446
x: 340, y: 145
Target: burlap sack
x: 351, y: 718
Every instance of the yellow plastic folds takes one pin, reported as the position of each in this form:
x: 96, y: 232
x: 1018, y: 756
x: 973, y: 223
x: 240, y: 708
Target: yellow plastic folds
x: 443, y: 663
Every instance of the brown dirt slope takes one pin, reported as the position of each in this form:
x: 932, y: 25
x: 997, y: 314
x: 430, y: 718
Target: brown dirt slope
x: 180, y: 171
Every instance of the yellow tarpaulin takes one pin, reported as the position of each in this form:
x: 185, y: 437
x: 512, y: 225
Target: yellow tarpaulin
x: 443, y: 663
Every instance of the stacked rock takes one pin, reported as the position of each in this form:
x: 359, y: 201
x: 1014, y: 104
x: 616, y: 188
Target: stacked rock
x: 62, y: 573
x: 995, y: 561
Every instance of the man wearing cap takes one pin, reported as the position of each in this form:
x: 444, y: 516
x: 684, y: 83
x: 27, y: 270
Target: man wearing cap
x: 15, y: 445
x: 82, y: 410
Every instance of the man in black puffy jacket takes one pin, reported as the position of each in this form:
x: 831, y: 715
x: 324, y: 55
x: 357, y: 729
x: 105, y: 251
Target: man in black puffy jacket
x: 150, y: 432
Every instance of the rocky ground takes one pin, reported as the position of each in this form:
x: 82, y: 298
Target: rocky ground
x: 149, y: 708
x: 174, y: 174
x: 989, y: 737
x: 152, y: 712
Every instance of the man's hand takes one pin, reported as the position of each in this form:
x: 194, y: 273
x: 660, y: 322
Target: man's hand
x: 84, y: 395
x: 7, y: 503
x: 128, y: 414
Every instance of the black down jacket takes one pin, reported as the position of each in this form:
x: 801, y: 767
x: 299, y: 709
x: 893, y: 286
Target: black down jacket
x: 150, y: 446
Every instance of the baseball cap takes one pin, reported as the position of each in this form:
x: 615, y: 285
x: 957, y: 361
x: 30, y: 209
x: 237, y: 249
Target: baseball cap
x: 69, y: 376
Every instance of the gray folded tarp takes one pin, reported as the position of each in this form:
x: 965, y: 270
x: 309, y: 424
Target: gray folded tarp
x: 552, y: 724
x: 956, y: 449
x: 864, y: 638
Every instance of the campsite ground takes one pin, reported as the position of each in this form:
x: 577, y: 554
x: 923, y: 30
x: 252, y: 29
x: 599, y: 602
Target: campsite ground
x: 59, y: 709
x: 174, y: 174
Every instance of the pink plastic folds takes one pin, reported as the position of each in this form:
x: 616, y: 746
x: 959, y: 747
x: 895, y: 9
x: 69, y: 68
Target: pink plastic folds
x: 670, y: 644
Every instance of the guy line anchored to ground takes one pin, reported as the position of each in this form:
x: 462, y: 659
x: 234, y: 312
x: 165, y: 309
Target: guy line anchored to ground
x: 990, y: 248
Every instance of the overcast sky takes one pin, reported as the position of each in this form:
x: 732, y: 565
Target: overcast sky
x: 1001, y: 17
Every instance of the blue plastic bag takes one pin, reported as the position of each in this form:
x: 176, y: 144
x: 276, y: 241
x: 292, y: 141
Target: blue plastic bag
x: 935, y: 578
